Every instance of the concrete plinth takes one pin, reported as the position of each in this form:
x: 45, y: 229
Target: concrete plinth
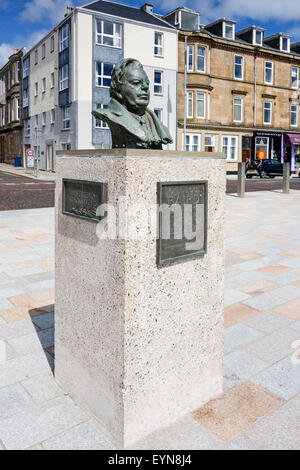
x: 138, y: 344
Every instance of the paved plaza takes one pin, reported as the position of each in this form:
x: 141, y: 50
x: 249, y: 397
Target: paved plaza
x: 260, y: 407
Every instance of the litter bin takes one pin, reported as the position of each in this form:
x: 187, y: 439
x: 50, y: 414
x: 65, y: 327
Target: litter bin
x: 17, y: 161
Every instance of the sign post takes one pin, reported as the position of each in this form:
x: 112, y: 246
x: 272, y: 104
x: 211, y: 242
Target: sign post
x: 29, y: 154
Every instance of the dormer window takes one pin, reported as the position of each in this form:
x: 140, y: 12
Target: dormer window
x: 228, y: 30
x: 257, y: 37
x: 284, y: 44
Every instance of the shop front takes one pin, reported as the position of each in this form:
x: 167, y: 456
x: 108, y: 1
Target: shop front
x: 291, y: 151
x: 267, y: 145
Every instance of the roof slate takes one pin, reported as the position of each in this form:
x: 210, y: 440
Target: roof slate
x: 124, y: 11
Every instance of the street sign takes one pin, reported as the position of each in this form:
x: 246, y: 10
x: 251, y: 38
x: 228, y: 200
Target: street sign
x: 30, y: 158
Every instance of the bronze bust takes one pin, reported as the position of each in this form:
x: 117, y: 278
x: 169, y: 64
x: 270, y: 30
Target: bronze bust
x: 131, y: 123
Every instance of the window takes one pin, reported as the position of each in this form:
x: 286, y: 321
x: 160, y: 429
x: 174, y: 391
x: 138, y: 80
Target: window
x: 18, y: 77
x: 26, y: 68
x: 64, y: 38
x: 294, y: 115
x: 209, y: 143
x: 18, y: 108
x: 43, y: 51
x: 36, y: 121
x: 190, y: 104
x: 229, y: 147
x: 25, y: 98
x: 228, y: 30
x: 158, y: 44
x: 66, y: 117
x: 108, y: 34
x: 190, y: 58
x: 44, y: 119
x: 284, y: 44
x: 159, y: 113
x: 158, y: 82
x: 13, y: 74
x: 36, y: 57
x: 269, y: 73
x: 36, y: 89
x: 200, y: 101
x: 52, y: 80
x: 262, y: 145
x: 267, y: 112
x: 103, y: 74
x: 192, y: 143
x: 44, y: 85
x: 257, y: 37
x: 27, y: 127
x: 295, y: 77
x: 237, y: 109
x: 52, y: 44
x: 66, y: 147
x: 201, y: 59
x: 238, y: 67
x: 64, y: 77
x: 99, y: 124
x: 52, y: 116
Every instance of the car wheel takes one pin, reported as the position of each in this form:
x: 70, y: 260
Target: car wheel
x: 248, y: 176
x: 263, y: 174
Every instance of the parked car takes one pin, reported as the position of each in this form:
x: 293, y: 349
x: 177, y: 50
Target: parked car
x: 264, y: 169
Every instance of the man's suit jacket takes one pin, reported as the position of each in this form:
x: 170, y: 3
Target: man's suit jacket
x: 126, y: 130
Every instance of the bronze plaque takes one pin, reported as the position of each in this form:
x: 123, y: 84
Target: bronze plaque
x: 182, y: 210
x: 81, y: 199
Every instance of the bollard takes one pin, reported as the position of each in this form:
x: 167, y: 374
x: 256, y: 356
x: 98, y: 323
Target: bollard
x: 286, y: 178
x: 241, y: 179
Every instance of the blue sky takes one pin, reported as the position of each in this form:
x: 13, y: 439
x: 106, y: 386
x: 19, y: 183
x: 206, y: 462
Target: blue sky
x: 25, y: 22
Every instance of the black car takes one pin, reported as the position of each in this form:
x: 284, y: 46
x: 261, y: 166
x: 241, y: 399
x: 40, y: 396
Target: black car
x: 264, y: 169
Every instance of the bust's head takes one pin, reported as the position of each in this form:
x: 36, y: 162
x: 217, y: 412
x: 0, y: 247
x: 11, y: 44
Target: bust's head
x: 130, y: 85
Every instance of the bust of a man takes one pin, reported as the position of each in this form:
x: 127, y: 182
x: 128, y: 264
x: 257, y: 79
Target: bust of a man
x: 132, y: 124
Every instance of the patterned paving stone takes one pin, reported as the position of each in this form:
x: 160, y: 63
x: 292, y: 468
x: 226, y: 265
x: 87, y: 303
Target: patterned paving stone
x: 12, y: 400
x: 290, y: 309
x: 35, y: 342
x: 233, y: 296
x: 230, y: 415
x: 282, y: 378
x: 287, y: 292
x: 268, y: 322
x: 21, y: 368
x: 240, y: 366
x: 275, y: 346
x: 279, y: 430
x: 184, y: 434
x: 39, y: 423
x: 44, y: 321
x: 42, y: 387
x: 239, y: 335
x: 272, y: 270
x: 259, y: 287
x: 264, y: 301
x: 295, y: 325
x: 85, y: 436
x: 238, y: 312
x: 239, y: 444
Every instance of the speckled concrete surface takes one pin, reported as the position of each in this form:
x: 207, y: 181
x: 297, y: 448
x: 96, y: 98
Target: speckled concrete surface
x: 121, y: 355
x: 263, y: 226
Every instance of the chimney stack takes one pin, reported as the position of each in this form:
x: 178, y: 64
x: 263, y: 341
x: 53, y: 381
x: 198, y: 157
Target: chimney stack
x: 147, y: 7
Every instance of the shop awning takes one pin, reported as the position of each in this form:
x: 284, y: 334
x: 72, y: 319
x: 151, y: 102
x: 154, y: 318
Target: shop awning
x: 294, y: 138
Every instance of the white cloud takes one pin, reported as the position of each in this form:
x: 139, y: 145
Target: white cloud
x: 40, y: 10
x: 7, y: 49
x: 259, y: 11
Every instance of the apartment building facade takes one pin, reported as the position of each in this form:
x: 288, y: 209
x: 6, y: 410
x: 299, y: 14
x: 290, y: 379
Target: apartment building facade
x: 67, y: 75
x: 238, y: 91
x: 11, y: 134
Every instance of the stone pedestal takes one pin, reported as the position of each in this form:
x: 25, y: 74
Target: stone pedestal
x: 138, y: 344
